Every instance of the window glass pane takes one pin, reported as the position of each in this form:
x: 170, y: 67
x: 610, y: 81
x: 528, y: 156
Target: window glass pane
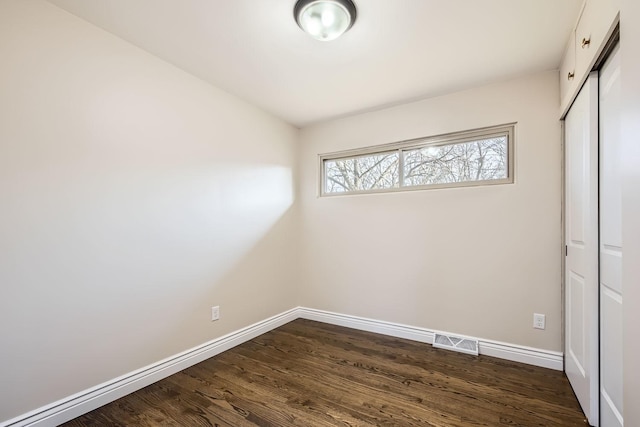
x: 481, y: 160
x: 372, y: 172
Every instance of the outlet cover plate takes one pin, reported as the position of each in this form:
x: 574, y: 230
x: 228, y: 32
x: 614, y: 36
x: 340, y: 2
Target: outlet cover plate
x: 538, y: 321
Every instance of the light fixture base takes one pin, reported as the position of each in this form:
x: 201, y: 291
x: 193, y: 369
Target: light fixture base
x: 325, y: 19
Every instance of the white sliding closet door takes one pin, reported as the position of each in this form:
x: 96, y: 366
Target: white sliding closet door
x: 581, y: 267
x: 610, y: 246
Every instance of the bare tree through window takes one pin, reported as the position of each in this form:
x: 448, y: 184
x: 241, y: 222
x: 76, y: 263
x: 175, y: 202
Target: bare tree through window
x: 455, y: 160
x: 362, y: 173
x: 482, y: 160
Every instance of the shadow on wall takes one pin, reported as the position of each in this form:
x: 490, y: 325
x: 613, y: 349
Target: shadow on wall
x: 104, y: 278
x: 247, y: 268
x: 256, y: 286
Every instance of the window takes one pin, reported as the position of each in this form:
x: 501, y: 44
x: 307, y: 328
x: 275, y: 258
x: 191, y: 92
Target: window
x: 478, y: 157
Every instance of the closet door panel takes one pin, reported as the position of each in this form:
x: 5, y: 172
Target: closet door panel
x: 611, y: 292
x: 581, y: 238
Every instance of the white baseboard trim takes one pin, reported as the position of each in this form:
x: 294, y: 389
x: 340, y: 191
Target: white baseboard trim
x: 80, y: 403
x: 516, y: 353
x: 370, y: 325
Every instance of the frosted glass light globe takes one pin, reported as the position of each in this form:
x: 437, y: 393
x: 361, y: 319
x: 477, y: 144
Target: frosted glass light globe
x: 325, y: 19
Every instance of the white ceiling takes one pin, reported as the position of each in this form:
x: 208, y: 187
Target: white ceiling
x: 398, y: 50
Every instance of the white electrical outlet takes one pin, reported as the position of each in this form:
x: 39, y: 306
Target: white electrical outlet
x: 538, y: 320
x: 215, y: 313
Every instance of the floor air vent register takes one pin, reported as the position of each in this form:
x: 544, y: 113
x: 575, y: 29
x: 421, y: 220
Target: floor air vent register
x: 451, y: 342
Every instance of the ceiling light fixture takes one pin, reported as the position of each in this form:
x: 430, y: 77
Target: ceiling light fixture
x: 325, y: 19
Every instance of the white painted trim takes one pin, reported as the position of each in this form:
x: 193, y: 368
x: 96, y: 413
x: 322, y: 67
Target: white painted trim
x: 517, y: 353
x: 370, y: 325
x: 80, y: 403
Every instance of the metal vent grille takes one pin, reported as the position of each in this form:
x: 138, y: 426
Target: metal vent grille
x: 451, y: 342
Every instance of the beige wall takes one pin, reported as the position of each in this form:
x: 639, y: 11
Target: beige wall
x: 477, y: 261
x: 133, y: 198
x: 630, y: 70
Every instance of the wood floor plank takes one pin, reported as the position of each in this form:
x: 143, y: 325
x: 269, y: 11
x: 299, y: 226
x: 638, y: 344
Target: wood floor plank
x: 308, y: 373
x: 526, y: 379
x: 352, y: 398
x: 458, y: 393
x: 337, y: 379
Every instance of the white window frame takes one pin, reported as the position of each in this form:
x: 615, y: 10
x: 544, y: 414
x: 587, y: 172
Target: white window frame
x: 506, y: 130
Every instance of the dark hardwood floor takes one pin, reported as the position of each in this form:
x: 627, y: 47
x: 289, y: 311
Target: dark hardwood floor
x: 313, y: 374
